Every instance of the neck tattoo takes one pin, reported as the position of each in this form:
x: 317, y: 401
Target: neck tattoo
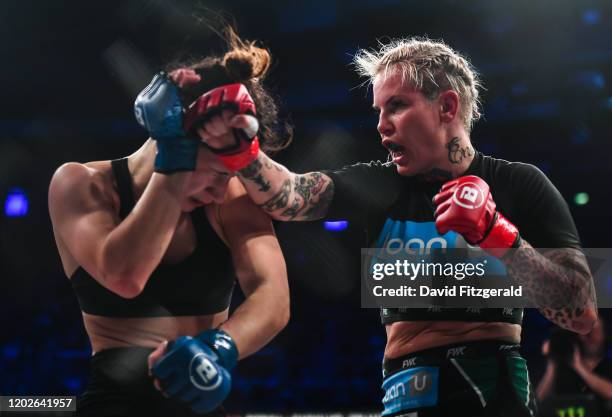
x: 456, y: 154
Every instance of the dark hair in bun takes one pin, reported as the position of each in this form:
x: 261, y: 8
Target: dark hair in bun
x: 248, y: 64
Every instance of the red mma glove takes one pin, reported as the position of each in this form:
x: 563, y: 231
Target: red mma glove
x: 233, y: 97
x: 465, y: 205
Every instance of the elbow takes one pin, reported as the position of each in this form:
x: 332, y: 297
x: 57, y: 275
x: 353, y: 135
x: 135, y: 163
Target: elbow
x: 128, y: 289
x: 278, y: 217
x: 281, y: 316
x: 126, y: 286
x: 278, y: 214
x: 124, y: 279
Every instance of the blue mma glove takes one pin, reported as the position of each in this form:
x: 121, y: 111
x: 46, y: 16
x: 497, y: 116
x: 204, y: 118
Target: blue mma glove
x: 158, y: 109
x: 223, y: 345
x: 190, y: 372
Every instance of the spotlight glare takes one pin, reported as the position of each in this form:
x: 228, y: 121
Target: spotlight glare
x: 581, y: 199
x: 16, y: 203
x: 336, y: 226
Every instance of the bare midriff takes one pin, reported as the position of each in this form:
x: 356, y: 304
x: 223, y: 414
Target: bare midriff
x: 405, y: 337
x: 113, y: 332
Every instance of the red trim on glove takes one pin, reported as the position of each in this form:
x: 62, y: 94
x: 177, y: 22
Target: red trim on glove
x: 503, y: 236
x: 242, y: 159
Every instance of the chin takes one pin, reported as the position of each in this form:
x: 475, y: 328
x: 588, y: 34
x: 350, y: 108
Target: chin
x: 405, y: 170
x: 190, y: 205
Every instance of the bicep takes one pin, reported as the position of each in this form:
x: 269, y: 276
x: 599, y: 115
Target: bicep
x: 362, y: 188
x: 545, y: 220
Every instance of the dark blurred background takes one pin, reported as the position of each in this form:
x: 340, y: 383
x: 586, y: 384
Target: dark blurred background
x: 70, y: 72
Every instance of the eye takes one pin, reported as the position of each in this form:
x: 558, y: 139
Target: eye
x: 395, y: 105
x: 216, y: 172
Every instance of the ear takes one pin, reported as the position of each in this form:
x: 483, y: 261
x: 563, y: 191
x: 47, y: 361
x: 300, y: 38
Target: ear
x: 448, y: 102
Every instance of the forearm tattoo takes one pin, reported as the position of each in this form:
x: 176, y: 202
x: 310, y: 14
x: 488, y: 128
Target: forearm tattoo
x: 292, y: 211
x: 300, y: 196
x: 558, y: 282
x: 456, y: 153
x: 311, y: 198
x: 280, y: 199
x: 253, y: 173
x: 319, y: 209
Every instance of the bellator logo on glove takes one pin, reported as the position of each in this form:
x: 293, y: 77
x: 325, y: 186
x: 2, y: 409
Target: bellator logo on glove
x: 469, y: 195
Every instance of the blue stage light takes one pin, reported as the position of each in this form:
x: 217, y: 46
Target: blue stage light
x: 519, y: 89
x: 590, y: 79
x: 16, y: 203
x: 580, y: 135
x: 74, y: 383
x: 11, y: 351
x: 591, y: 16
x: 609, y: 285
x: 336, y: 226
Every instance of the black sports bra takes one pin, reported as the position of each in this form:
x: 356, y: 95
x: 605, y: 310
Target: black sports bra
x: 200, y: 284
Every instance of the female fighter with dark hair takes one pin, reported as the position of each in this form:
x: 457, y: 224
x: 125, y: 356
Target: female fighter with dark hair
x: 148, y: 242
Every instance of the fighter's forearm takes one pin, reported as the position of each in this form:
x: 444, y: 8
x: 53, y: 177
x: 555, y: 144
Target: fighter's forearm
x: 600, y: 385
x: 558, y: 282
x: 258, y: 319
x: 545, y: 385
x: 286, y: 195
x: 159, y: 205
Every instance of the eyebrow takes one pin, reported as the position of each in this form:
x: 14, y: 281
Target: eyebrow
x: 393, y: 97
x: 220, y: 172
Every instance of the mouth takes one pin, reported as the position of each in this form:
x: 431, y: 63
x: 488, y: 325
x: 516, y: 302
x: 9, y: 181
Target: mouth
x: 396, y: 151
x: 196, y: 202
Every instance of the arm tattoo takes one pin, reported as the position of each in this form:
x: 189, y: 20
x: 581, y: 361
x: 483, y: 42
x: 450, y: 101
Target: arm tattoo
x: 309, y: 185
x: 558, y: 282
x: 311, y: 198
x: 269, y: 164
x: 319, y: 209
x: 280, y: 199
x: 456, y: 153
x: 253, y: 173
x: 285, y: 195
x: 292, y: 211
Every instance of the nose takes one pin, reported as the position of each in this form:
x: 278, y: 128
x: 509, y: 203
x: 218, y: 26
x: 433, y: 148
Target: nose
x: 217, y: 194
x: 384, y: 127
x: 218, y: 189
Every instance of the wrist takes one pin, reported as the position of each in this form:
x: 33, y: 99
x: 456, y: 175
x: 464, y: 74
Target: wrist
x: 172, y: 185
x: 254, y: 166
x: 502, y: 236
x: 223, y: 345
x: 176, y: 155
x: 243, y: 158
x: 579, y: 367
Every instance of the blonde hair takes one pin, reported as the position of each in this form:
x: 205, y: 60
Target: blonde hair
x: 430, y: 66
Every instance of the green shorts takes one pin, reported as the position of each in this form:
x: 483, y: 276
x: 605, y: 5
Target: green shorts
x: 485, y: 378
